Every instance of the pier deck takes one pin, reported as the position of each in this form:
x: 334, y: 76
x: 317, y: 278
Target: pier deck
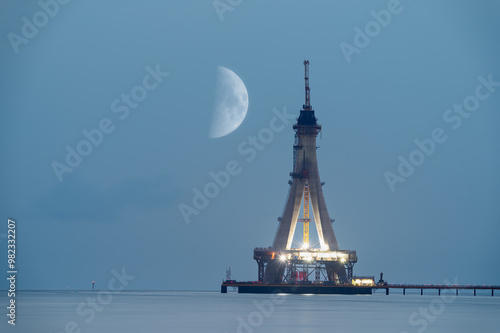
x: 255, y: 287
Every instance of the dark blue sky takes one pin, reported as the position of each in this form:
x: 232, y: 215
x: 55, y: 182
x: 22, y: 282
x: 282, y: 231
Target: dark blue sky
x: 119, y: 207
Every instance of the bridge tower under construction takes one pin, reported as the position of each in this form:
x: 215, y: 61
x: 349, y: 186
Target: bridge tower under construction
x: 284, y: 261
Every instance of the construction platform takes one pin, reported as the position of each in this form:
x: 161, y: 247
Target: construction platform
x: 255, y: 287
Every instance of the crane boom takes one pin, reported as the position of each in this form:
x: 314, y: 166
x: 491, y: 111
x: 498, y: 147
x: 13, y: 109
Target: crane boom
x: 307, y: 106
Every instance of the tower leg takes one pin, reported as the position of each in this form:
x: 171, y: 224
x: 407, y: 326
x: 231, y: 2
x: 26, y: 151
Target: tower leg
x: 274, y: 272
x: 260, y: 263
x: 336, y: 271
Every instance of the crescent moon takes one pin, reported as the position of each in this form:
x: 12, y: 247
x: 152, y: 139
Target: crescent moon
x: 231, y: 103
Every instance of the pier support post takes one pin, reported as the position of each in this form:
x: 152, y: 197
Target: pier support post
x: 261, y: 267
x: 404, y: 291
x: 439, y: 292
x: 421, y: 291
x: 474, y: 292
x: 387, y: 291
x: 492, y: 292
x: 223, y: 289
x: 317, y: 273
x: 457, y: 292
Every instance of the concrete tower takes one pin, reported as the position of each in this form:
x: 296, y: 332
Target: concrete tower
x: 305, y: 177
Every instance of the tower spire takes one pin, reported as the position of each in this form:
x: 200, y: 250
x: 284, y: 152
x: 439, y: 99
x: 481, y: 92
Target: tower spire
x: 307, y: 106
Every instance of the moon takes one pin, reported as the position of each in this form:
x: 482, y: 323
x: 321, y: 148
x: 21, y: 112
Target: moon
x: 231, y: 103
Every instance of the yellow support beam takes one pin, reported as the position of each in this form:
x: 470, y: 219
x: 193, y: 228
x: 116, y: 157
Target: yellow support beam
x: 306, y: 215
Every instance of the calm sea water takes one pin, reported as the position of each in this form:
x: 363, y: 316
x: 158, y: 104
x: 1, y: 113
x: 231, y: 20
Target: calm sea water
x: 163, y: 311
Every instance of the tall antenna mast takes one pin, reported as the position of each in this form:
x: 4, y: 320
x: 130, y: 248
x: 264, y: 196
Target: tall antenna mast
x: 307, y: 106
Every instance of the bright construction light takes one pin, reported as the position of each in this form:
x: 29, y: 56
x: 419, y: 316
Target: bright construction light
x: 282, y: 258
x: 343, y: 259
x: 305, y: 246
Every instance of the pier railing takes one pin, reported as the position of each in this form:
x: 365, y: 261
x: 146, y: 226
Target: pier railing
x: 437, y: 287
